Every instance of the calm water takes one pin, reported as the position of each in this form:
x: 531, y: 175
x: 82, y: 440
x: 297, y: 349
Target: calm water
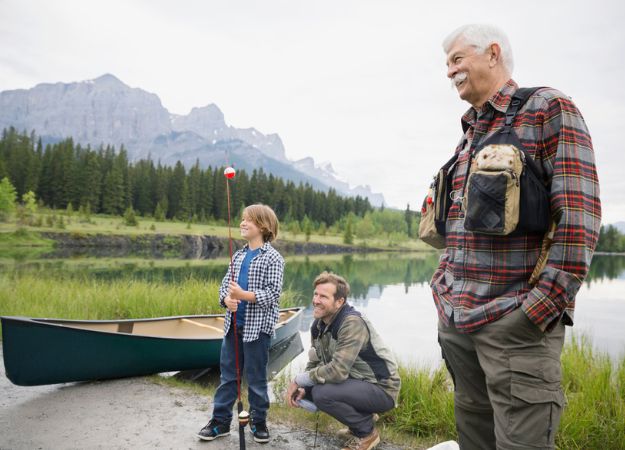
x: 399, y: 303
x: 392, y: 290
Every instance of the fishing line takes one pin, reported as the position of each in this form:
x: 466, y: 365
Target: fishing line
x: 244, y: 416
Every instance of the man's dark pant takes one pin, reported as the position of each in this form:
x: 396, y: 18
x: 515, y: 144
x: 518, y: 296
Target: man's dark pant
x: 352, y: 403
x: 253, y: 357
x: 507, y: 379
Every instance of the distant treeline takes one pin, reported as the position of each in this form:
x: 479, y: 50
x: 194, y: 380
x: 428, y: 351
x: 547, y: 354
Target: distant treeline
x: 105, y: 181
x: 610, y: 239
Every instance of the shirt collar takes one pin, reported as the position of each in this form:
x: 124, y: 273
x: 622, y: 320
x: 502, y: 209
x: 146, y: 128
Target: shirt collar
x: 499, y: 101
x: 263, y: 248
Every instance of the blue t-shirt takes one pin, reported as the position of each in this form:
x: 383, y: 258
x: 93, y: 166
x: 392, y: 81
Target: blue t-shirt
x: 242, y: 281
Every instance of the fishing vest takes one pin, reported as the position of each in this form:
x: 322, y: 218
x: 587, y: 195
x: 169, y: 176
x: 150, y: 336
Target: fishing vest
x: 504, y: 192
x: 374, y: 363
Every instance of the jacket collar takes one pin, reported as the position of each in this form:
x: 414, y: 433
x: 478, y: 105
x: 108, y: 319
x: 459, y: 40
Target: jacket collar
x: 500, y: 102
x: 336, y: 314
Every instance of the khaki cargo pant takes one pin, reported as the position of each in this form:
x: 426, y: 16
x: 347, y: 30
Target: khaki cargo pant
x: 507, y: 383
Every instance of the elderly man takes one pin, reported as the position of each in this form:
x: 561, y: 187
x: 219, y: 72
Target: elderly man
x: 351, y: 375
x: 501, y: 336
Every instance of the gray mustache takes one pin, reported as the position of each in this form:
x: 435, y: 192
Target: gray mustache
x: 458, y: 78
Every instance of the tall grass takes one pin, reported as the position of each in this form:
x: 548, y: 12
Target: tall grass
x: 594, y: 384
x: 38, y: 295
x: 67, y: 297
x: 426, y: 406
x: 594, y: 417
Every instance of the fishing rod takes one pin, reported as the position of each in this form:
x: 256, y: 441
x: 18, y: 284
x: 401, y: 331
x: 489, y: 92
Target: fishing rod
x: 244, y: 416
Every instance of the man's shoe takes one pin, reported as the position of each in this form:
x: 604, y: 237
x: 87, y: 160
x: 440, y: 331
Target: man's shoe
x: 363, y: 443
x: 345, y: 433
x: 213, y: 430
x: 261, y: 433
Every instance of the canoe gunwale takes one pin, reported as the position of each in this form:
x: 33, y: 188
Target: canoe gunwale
x: 61, y: 323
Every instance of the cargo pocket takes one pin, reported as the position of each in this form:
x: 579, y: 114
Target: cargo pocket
x: 536, y: 400
x: 486, y: 202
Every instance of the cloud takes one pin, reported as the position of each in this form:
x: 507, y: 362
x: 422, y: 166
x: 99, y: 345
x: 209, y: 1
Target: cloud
x: 360, y: 83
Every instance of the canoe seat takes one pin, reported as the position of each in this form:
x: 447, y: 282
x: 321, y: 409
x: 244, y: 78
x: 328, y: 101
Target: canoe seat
x: 125, y: 327
x: 198, y: 324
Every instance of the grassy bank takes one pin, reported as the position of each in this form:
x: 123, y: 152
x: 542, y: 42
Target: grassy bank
x: 593, y: 418
x: 594, y: 384
x: 22, y: 237
x: 115, y: 225
x: 37, y: 295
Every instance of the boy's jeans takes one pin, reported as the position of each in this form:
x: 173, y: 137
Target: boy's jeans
x: 253, y: 357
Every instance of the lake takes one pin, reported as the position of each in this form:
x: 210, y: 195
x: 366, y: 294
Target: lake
x: 391, y: 289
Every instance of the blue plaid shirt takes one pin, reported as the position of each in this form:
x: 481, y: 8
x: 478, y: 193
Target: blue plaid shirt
x: 265, y: 281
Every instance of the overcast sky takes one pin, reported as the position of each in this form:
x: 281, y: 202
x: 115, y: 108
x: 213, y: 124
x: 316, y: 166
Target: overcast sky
x: 359, y: 83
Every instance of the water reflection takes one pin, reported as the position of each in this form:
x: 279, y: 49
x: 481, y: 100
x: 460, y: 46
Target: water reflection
x: 606, y: 267
x: 362, y: 271
x: 391, y: 289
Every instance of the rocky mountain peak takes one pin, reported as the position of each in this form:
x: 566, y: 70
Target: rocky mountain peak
x: 108, y: 79
x: 207, y: 121
x: 105, y: 111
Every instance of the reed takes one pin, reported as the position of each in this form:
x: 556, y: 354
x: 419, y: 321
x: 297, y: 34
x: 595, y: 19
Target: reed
x: 71, y: 297
x: 594, y: 385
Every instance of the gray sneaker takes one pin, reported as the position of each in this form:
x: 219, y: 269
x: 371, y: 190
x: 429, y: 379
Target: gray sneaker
x: 214, y: 429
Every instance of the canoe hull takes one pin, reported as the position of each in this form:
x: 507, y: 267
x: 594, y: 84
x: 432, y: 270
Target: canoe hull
x: 37, y: 353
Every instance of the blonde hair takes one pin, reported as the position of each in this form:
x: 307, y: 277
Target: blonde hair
x: 265, y: 219
x: 342, y: 286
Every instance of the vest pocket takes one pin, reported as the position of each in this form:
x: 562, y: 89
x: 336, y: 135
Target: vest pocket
x: 534, y: 205
x: 486, y: 202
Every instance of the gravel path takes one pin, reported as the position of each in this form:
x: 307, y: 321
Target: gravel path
x: 131, y: 413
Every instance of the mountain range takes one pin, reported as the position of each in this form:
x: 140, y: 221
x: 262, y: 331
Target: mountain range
x: 106, y: 111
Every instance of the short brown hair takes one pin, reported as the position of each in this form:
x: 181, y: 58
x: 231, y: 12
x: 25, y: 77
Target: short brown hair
x: 342, y: 286
x: 265, y: 219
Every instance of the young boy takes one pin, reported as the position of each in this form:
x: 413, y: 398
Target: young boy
x: 253, y: 296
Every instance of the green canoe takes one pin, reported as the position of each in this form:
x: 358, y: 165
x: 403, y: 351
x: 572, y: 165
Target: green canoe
x: 47, y: 351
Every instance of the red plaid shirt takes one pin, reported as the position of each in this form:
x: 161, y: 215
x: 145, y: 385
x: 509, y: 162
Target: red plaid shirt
x: 480, y: 277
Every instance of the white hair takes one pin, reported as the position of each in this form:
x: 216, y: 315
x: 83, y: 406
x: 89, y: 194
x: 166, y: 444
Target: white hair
x: 481, y: 36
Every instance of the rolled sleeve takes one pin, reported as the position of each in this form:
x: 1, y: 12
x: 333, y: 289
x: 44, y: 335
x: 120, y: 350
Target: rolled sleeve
x: 575, y: 208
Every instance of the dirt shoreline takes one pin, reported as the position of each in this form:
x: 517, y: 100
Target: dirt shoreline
x: 131, y: 413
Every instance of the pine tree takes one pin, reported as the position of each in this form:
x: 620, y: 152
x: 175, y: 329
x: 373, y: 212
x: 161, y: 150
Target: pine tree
x: 206, y: 194
x: 28, y: 209
x: 194, y: 180
x: 348, y: 235
x: 408, y: 219
x: 113, y: 192
x: 159, y: 212
x: 130, y: 219
x: 7, y: 199
x: 307, y: 227
x: 175, y: 192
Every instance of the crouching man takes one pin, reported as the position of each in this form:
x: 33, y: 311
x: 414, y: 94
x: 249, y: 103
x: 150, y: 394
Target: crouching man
x: 351, y: 375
